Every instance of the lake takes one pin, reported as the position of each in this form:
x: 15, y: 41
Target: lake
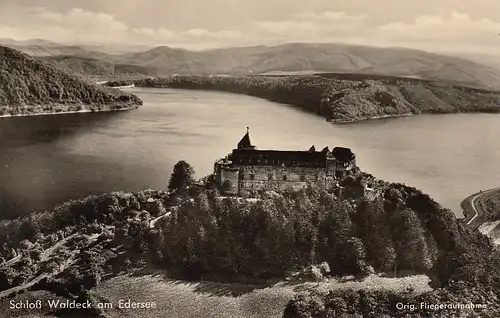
x: 47, y: 159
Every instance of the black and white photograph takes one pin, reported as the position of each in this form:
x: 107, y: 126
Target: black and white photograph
x: 249, y: 159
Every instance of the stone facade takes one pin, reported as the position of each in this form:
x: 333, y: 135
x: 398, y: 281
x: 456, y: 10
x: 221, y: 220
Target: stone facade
x: 247, y: 168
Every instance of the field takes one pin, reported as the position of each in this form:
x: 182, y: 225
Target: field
x: 209, y: 299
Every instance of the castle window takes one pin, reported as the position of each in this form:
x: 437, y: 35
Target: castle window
x: 252, y: 176
x: 284, y: 177
x: 302, y: 177
x: 270, y: 176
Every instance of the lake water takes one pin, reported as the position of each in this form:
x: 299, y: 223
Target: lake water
x: 48, y: 159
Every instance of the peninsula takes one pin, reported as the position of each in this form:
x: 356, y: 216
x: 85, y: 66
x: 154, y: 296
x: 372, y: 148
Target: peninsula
x: 343, y: 98
x: 31, y: 87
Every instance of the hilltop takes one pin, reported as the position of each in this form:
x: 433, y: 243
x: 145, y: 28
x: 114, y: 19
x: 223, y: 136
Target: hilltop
x: 293, y: 57
x: 192, y: 234
x: 344, y: 98
x: 28, y: 86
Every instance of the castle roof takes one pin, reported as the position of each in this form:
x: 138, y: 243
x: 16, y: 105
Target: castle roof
x: 246, y: 142
x: 247, y: 154
x: 343, y: 154
x: 279, y: 158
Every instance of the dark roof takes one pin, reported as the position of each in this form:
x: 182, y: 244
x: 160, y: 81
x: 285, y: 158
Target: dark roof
x: 312, y: 148
x: 279, y: 158
x: 343, y: 154
x: 245, y: 142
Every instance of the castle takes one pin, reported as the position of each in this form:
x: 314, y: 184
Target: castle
x: 248, y: 168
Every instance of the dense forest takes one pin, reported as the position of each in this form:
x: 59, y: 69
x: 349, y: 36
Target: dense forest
x: 346, y: 97
x: 194, y: 233
x: 29, y: 86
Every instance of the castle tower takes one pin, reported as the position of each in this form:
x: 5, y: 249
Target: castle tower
x: 245, y: 142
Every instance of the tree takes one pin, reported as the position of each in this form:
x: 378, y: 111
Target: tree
x: 374, y: 230
x: 181, y: 177
x: 409, y: 241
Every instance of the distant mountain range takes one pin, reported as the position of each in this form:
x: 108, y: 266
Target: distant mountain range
x: 293, y: 57
x: 41, y: 47
x: 85, y: 66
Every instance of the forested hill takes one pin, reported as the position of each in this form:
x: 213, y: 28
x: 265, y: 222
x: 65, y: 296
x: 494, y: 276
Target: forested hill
x: 190, y: 232
x: 348, y: 97
x: 29, y: 86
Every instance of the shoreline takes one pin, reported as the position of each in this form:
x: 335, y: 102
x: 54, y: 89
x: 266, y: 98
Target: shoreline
x: 70, y: 112
x: 328, y: 120
x: 367, y: 119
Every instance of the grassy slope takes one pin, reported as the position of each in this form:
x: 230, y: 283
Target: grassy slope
x: 208, y: 299
x: 176, y: 298
x: 29, y: 86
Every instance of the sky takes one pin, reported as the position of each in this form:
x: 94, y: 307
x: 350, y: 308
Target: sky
x: 434, y: 25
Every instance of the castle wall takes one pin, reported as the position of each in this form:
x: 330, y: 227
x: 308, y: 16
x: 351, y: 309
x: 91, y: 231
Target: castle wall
x: 281, y: 178
x: 229, y: 180
x: 251, y: 169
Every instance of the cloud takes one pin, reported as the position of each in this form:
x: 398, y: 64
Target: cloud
x: 312, y: 26
x: 456, y: 22
x: 453, y: 31
x: 82, y: 26
x: 72, y: 26
x: 223, y: 34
